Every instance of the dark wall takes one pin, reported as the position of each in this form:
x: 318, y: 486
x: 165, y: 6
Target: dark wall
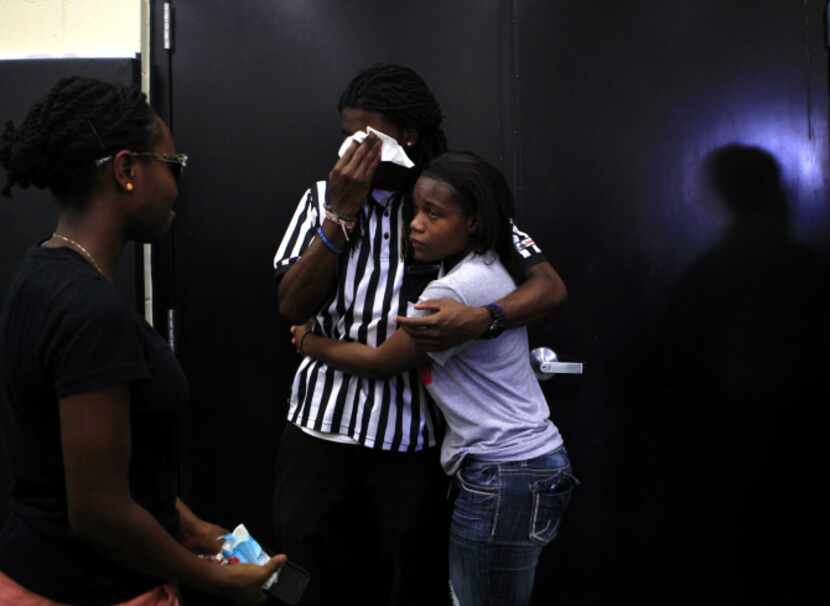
x: 620, y: 102
x: 30, y: 215
x: 601, y: 114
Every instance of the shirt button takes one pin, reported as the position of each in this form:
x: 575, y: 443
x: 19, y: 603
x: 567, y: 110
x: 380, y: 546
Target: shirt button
x: 386, y: 213
x: 385, y: 236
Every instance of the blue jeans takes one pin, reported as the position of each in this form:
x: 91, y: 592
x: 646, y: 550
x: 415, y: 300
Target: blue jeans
x: 503, y: 516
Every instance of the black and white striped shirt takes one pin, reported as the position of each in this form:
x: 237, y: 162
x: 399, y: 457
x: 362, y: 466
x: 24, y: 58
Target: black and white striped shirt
x: 374, y: 284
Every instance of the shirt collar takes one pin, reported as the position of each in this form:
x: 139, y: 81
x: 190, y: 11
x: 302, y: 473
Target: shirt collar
x: 382, y: 196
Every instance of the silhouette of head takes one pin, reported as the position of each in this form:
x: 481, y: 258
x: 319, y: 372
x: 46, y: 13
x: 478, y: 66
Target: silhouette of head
x: 748, y: 180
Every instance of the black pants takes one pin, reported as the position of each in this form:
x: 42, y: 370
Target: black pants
x: 370, y: 526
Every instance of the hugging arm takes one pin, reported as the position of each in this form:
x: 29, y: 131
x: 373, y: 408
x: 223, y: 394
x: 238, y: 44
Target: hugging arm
x: 398, y: 353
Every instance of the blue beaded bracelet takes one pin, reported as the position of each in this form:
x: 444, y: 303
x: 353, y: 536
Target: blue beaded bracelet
x: 327, y: 242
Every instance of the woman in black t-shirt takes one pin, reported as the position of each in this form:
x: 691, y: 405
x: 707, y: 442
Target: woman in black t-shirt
x: 94, y: 392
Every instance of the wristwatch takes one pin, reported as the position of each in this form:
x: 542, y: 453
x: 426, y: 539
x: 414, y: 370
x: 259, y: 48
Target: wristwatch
x: 498, y: 323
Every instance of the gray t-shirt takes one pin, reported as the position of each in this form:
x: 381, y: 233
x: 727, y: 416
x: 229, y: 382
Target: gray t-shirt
x: 486, y: 389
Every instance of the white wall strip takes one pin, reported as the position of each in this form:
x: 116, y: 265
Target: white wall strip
x: 147, y: 249
x: 116, y: 54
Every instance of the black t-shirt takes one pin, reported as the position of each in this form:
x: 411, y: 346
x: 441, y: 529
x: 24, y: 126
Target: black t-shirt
x: 66, y: 330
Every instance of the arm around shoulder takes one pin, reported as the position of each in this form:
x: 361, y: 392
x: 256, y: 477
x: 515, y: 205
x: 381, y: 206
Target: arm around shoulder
x: 551, y: 289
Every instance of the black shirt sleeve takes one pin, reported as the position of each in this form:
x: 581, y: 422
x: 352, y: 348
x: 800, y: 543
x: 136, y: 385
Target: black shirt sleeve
x: 93, y: 341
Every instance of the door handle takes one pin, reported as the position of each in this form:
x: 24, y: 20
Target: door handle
x: 546, y: 364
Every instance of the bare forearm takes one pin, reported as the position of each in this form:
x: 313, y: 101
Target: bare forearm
x: 127, y: 534
x: 535, y: 298
x: 310, y: 282
x: 196, y: 534
x: 351, y: 358
x: 396, y: 355
x: 188, y: 520
x: 449, y: 322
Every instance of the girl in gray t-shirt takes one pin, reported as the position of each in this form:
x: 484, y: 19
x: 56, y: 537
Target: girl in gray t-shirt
x: 507, y: 459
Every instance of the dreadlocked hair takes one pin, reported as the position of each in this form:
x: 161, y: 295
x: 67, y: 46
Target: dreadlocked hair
x: 79, y: 120
x: 403, y: 97
x: 482, y: 191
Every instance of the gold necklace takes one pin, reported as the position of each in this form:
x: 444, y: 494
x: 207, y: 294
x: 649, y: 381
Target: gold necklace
x: 81, y: 248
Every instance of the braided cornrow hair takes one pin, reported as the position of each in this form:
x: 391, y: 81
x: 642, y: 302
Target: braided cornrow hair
x: 80, y: 120
x: 403, y: 97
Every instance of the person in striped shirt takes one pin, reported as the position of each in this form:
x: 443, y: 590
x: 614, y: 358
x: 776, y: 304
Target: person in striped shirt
x: 510, y: 468
x: 357, y: 476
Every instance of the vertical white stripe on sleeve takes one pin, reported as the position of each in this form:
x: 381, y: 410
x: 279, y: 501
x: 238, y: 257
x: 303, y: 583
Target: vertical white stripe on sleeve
x: 292, y: 227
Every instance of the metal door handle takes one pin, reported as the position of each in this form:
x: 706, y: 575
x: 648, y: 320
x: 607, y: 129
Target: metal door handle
x: 546, y: 363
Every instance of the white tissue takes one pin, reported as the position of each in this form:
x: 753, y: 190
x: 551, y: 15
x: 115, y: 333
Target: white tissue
x: 390, y: 152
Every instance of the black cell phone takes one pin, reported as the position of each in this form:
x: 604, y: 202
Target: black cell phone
x: 290, y: 584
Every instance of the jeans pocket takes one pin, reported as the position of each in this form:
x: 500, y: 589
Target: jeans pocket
x: 480, y: 479
x: 475, y: 508
x: 551, y: 497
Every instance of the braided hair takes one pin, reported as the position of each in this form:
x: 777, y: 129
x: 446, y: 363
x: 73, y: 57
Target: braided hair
x: 403, y: 97
x: 80, y: 120
x: 482, y: 191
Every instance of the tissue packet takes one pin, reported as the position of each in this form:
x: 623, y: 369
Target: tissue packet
x: 241, y: 546
x: 390, y: 152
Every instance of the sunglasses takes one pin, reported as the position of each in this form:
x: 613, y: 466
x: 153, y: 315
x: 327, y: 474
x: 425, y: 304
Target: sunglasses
x: 176, y: 163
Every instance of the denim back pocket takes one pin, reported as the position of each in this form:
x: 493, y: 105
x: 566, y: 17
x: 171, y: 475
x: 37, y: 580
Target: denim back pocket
x: 475, y: 510
x: 551, y: 497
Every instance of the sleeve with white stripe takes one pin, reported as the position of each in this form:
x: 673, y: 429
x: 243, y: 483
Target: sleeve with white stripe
x: 526, y: 248
x: 301, y: 229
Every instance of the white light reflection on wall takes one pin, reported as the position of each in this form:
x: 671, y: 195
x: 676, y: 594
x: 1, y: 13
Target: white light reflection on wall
x: 801, y: 151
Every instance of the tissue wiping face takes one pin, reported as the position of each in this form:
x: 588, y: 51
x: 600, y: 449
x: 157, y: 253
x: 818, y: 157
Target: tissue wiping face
x: 391, y: 150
